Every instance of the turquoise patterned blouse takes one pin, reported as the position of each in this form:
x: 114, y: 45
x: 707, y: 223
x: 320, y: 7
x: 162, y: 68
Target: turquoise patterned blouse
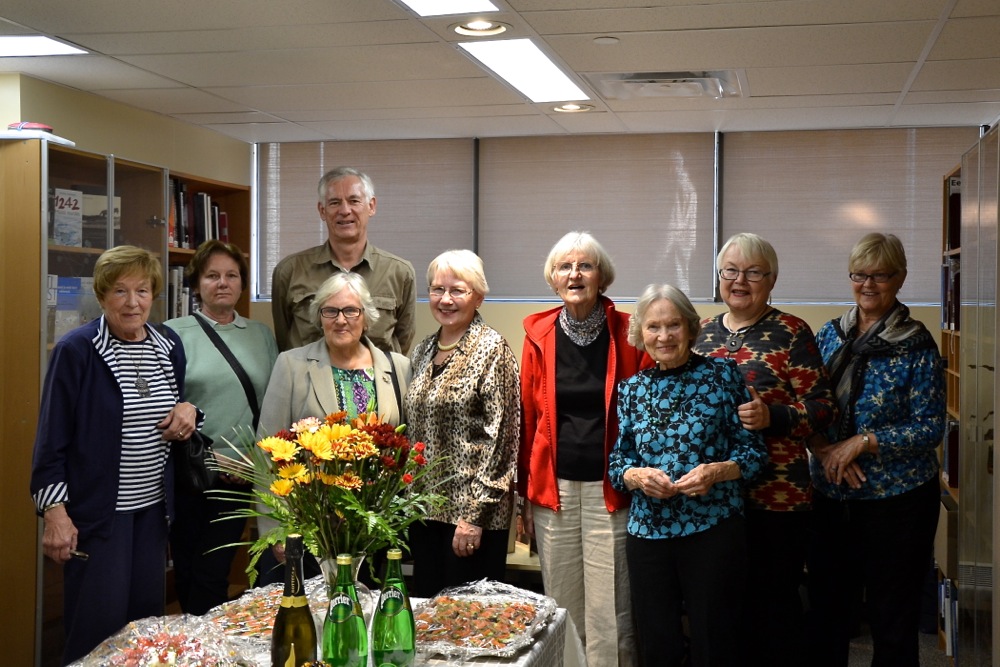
x: 675, y: 420
x: 355, y: 390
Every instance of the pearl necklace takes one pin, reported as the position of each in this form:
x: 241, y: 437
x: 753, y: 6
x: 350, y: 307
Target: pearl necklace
x: 448, y: 348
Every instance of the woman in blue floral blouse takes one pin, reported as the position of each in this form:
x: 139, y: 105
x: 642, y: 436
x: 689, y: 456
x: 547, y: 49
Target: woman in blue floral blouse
x: 877, y: 490
x: 683, y: 456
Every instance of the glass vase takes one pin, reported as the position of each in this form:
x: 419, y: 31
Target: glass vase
x: 365, y: 596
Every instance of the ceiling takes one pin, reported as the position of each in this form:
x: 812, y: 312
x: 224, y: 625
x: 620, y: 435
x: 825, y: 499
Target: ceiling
x: 307, y: 70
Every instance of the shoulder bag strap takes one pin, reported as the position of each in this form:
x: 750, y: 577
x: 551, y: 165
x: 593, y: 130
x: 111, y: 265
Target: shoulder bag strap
x: 237, y: 368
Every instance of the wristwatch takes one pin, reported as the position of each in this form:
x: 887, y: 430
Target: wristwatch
x: 866, y: 441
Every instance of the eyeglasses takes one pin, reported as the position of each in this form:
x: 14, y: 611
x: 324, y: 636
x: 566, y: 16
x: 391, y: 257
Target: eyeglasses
x: 350, y: 312
x: 455, y: 293
x: 877, y: 277
x: 753, y: 275
x: 566, y: 268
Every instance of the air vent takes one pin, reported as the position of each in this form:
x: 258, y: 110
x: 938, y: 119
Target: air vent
x: 717, y: 84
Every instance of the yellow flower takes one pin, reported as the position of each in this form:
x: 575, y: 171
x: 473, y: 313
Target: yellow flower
x: 326, y: 478
x: 269, y: 443
x: 291, y: 471
x: 282, y: 487
x: 317, y: 442
x: 282, y: 450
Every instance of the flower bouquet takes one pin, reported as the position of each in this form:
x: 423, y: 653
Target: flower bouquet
x: 347, y: 485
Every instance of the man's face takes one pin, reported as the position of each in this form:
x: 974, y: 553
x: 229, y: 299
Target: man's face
x: 346, y: 210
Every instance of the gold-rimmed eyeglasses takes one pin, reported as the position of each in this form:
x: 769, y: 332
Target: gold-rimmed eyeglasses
x: 455, y: 293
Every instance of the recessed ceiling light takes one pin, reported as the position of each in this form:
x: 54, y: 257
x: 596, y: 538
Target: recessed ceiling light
x: 523, y: 65
x: 441, y: 7
x: 480, y: 28
x: 13, y: 46
x: 573, y: 107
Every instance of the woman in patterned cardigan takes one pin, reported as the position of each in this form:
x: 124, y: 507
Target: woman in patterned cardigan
x: 791, y: 400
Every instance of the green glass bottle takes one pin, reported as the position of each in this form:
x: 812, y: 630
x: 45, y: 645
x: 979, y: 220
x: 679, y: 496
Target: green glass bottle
x: 345, y: 637
x: 293, y: 640
x: 394, y: 635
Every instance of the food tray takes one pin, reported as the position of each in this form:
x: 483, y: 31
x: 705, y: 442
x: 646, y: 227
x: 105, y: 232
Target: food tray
x: 484, y: 618
x: 162, y: 641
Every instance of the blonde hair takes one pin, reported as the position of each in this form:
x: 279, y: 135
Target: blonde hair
x: 589, y: 246
x: 466, y: 265
x: 126, y: 260
x: 878, y: 250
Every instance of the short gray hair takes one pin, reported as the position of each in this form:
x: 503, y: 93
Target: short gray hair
x: 754, y: 248
x: 652, y: 294
x: 589, y: 246
x: 466, y: 265
x: 336, y: 174
x: 334, y: 285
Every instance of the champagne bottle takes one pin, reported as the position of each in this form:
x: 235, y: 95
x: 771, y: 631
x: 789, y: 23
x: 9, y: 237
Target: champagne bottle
x: 345, y: 637
x: 394, y: 634
x: 293, y: 640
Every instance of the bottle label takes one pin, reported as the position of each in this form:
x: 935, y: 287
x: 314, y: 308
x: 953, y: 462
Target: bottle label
x: 291, y: 662
x: 291, y: 601
x: 392, y: 601
x: 341, y: 608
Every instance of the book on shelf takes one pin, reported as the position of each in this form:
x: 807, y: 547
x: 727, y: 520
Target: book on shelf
x: 171, y: 215
x: 223, y: 226
x: 76, y: 303
x: 95, y: 219
x: 67, y: 217
x: 953, y: 242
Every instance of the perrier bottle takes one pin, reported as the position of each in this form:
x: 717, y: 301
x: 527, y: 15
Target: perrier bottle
x: 345, y: 637
x: 393, y: 631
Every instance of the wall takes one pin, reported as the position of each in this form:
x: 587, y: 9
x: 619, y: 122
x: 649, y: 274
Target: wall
x: 101, y: 126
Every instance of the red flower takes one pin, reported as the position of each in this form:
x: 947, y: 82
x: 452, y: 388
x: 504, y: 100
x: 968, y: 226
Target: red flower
x: 407, y: 478
x: 285, y: 434
x: 420, y: 460
x: 419, y: 447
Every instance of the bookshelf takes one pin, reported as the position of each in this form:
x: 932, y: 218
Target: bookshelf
x: 232, y: 203
x: 98, y: 200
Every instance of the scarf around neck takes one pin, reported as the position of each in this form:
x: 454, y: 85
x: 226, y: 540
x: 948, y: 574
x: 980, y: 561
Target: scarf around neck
x: 587, y: 330
x: 893, y: 334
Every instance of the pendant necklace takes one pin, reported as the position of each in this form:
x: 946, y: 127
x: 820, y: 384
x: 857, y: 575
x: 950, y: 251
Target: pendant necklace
x: 735, y: 340
x: 141, y: 385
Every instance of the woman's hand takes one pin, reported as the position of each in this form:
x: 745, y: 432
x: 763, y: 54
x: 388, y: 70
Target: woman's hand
x: 528, y: 519
x: 839, y: 463
x: 180, y: 422
x: 59, y: 536
x: 699, y: 480
x: 754, y: 415
x: 467, y: 539
x: 651, y: 481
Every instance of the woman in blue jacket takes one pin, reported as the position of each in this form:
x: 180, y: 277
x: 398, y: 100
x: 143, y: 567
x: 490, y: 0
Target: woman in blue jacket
x: 101, y: 473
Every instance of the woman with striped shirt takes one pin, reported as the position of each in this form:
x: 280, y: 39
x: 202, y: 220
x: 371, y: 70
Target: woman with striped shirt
x: 101, y: 475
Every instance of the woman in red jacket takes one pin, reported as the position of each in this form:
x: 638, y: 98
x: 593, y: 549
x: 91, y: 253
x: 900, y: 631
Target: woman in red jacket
x: 573, y: 358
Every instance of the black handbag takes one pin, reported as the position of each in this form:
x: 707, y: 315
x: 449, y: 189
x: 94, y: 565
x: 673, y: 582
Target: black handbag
x: 196, y: 465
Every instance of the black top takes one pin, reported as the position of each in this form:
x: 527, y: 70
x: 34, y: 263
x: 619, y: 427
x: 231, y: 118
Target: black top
x: 581, y: 373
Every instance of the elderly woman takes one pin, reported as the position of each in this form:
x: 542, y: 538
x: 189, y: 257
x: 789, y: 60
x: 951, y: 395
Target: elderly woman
x: 101, y: 476
x: 791, y: 400
x: 573, y: 358
x: 203, y: 548
x: 463, y: 403
x: 877, y: 489
x: 684, y: 456
x: 343, y: 371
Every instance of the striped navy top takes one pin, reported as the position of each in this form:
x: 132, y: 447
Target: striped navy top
x: 144, y: 452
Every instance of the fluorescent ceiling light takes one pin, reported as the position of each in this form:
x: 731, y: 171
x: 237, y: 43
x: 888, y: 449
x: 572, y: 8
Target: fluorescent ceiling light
x: 523, y: 65
x: 34, y: 45
x: 441, y: 7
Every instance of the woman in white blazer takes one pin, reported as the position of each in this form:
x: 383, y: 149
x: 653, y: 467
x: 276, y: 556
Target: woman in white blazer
x: 343, y: 371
